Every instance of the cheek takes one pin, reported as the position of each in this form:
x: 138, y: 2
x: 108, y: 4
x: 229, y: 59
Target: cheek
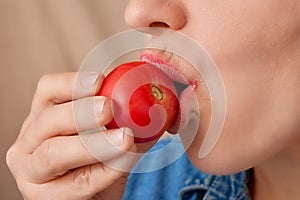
x: 256, y: 118
x: 245, y: 139
x: 230, y: 29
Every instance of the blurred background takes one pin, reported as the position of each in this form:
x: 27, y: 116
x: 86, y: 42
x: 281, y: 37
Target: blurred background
x: 39, y: 37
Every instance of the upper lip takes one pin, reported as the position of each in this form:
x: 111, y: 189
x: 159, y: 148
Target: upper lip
x: 163, y: 62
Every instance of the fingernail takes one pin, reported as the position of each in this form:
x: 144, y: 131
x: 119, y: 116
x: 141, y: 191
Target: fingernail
x: 117, y: 136
x: 88, y: 80
x: 100, y: 102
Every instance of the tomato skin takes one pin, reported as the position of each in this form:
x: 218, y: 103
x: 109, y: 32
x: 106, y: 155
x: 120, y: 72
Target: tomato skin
x: 152, y: 88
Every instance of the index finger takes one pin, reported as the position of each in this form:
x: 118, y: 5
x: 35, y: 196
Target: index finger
x: 63, y: 87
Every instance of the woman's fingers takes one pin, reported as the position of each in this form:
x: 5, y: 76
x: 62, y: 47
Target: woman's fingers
x: 49, y: 158
x: 63, y: 87
x: 81, y: 184
x: 54, y: 89
x: 66, y: 119
x: 56, y: 156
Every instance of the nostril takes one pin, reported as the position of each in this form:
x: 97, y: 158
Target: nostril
x: 159, y: 25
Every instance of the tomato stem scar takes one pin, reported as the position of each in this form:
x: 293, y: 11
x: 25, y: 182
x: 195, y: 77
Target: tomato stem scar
x: 157, y: 93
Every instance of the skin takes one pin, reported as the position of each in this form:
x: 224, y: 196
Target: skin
x: 37, y: 160
x: 255, y: 45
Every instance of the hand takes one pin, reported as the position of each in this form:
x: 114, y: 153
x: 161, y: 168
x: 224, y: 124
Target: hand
x: 48, y: 159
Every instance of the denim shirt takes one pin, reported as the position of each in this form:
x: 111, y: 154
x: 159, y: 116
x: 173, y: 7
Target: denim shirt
x: 181, y: 180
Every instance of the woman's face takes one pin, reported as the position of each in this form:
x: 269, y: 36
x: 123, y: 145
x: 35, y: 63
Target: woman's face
x: 255, y: 45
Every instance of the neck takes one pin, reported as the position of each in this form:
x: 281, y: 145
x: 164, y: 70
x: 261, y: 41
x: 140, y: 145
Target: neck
x: 279, y: 177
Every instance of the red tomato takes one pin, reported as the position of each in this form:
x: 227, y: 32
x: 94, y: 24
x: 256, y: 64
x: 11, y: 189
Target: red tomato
x: 145, y: 100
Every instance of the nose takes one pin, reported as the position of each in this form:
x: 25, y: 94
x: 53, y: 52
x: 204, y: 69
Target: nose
x: 155, y: 13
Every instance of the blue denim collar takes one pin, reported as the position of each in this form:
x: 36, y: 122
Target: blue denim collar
x: 207, y: 187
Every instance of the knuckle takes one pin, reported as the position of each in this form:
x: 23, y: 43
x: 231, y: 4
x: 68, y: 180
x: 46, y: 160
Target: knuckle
x: 30, y: 191
x: 43, y: 82
x: 25, y: 189
x: 10, y: 156
x: 28, y: 194
x: 25, y: 194
x: 82, y: 180
x: 44, y: 157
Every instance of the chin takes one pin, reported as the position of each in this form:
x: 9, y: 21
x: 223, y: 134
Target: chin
x: 219, y: 161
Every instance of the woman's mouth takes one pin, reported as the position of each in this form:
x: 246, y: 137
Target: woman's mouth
x: 185, y: 88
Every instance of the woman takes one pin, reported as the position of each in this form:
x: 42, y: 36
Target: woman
x: 255, y: 45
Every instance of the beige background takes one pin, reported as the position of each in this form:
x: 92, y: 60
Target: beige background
x: 38, y: 37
